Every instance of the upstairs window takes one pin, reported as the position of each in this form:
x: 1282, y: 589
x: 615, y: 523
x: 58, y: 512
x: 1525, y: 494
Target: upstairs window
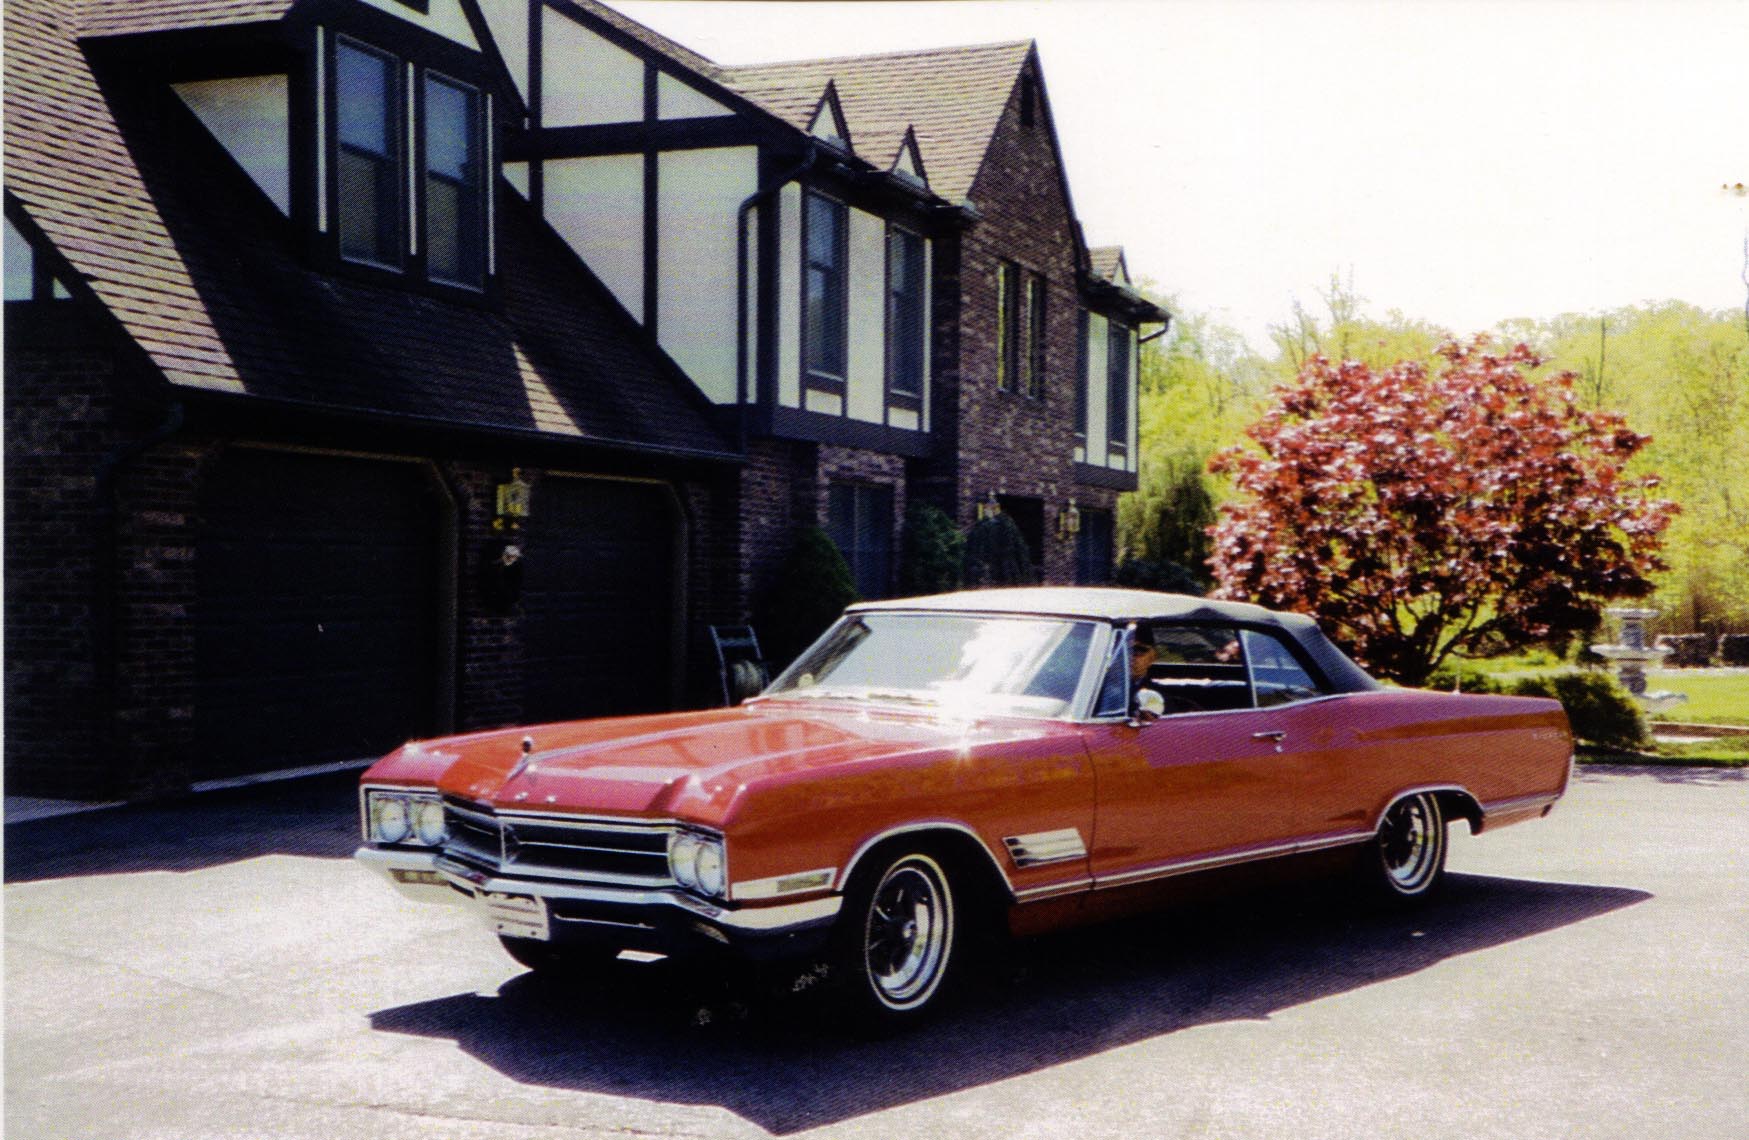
x: 825, y: 295
x: 1081, y: 373
x: 408, y: 166
x: 1117, y: 373
x: 906, y: 311
x: 1035, y: 336
x: 455, y: 215
x: 368, y: 123
x: 1008, y: 327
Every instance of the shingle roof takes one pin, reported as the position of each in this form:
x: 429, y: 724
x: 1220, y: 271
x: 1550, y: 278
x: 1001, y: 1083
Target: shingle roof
x: 120, y: 17
x: 204, y: 275
x: 953, y: 96
x: 1105, y: 259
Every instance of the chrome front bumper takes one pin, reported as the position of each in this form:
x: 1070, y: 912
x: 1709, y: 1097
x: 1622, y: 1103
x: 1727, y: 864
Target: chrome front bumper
x: 642, y: 917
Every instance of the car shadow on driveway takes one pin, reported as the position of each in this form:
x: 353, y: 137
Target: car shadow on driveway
x: 662, y: 1034
x: 316, y: 815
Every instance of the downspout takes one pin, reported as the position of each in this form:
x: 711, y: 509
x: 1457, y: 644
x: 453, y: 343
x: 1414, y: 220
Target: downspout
x: 106, y: 547
x: 741, y: 282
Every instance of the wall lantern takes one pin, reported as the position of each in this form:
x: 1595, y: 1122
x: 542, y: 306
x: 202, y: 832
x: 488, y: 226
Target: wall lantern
x: 989, y: 508
x: 512, y: 503
x: 1069, y: 521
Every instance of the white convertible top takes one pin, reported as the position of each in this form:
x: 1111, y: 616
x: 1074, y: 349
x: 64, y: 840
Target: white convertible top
x: 1110, y: 604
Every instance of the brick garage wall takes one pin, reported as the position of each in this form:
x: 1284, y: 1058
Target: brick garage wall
x: 61, y: 423
x: 778, y: 494
x: 488, y: 634
x: 1012, y: 443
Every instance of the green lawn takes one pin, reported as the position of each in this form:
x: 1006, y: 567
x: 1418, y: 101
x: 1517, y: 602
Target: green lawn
x: 1713, y: 698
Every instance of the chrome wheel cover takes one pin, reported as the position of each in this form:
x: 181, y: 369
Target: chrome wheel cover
x: 1411, y: 844
x: 908, y: 933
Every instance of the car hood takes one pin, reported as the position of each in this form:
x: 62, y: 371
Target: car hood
x: 689, y: 765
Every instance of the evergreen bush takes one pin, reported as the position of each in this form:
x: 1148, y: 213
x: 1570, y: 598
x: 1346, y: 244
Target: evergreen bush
x: 812, y: 587
x: 1600, y: 711
x: 1148, y: 574
x: 996, y: 554
x: 930, y: 551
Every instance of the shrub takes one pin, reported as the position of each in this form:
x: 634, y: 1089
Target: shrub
x: 811, y: 589
x: 1687, y: 649
x: 1599, y: 709
x: 996, y: 554
x: 1462, y: 677
x: 1147, y: 574
x: 1734, y: 649
x: 930, y: 550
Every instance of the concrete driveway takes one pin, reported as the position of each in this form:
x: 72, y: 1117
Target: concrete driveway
x: 219, y: 968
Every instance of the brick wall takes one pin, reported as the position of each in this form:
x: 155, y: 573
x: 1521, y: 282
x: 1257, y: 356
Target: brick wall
x: 1010, y: 442
x: 60, y: 424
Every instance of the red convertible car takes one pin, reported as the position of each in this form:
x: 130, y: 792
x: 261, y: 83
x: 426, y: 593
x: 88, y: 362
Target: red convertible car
x: 1027, y: 758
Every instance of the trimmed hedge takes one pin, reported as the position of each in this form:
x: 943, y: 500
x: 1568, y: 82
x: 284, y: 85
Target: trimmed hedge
x: 811, y: 589
x: 1147, y: 574
x: 1734, y: 649
x: 930, y: 550
x: 1599, y: 710
x: 1687, y: 649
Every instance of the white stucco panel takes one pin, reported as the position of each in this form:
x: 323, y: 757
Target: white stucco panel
x: 516, y: 173
x: 584, y: 79
x: 250, y: 118
x: 597, y: 206
x: 445, y: 17
x: 677, y: 100
x: 866, y: 385
x: 1097, y: 379
x: 508, y: 20
x: 789, y: 297
x: 698, y: 193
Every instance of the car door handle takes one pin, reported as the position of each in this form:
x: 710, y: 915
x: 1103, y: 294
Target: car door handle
x: 1276, y: 735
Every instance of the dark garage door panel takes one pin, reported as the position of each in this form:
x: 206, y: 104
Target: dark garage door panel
x: 599, y: 599
x: 315, y: 635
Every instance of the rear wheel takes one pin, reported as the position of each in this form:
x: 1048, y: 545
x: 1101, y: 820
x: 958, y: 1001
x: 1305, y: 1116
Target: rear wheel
x: 1407, y: 858
x: 898, y: 938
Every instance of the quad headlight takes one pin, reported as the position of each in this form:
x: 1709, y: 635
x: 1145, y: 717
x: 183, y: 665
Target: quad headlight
x: 404, y: 817
x: 697, y: 863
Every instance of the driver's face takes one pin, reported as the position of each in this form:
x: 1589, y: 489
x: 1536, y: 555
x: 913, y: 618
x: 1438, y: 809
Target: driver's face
x: 1142, y: 655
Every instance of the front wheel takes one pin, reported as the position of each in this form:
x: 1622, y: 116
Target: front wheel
x: 1407, y: 859
x: 897, y: 941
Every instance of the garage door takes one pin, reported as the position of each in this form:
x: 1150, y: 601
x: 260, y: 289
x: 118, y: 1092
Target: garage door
x: 315, y: 635
x: 599, y: 601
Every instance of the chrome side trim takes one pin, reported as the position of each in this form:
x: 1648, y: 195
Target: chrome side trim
x: 1052, y: 890
x: 1520, y: 803
x: 1229, y: 859
x: 1043, y: 847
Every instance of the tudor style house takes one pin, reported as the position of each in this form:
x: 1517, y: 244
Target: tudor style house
x: 377, y: 368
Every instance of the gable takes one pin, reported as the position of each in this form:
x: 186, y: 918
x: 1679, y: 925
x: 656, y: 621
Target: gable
x: 444, y: 17
x: 250, y: 118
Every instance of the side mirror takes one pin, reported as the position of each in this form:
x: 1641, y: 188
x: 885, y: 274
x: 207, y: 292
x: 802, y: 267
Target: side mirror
x: 1150, y: 707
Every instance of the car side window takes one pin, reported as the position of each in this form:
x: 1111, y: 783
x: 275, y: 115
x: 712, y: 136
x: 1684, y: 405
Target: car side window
x: 1277, y: 673
x: 1197, y: 668
x: 1114, y: 689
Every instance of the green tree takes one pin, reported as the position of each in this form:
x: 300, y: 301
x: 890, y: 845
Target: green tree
x: 812, y: 587
x: 930, y: 551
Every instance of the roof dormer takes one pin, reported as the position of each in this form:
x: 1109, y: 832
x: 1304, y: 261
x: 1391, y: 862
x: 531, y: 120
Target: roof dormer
x: 908, y: 163
x: 828, y: 123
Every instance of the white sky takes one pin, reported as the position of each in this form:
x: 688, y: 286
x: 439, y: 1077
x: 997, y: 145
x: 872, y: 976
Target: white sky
x: 1466, y: 162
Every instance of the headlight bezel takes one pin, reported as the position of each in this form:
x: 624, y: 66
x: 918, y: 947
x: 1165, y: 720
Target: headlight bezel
x: 698, y: 861
x: 408, y: 805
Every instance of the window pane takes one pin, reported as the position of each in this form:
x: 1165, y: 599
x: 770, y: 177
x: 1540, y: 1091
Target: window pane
x: 1035, y: 336
x: 824, y: 297
x: 1279, y: 677
x: 368, y: 191
x: 454, y: 184
x: 364, y: 81
x: 905, y: 309
x: 1118, y: 390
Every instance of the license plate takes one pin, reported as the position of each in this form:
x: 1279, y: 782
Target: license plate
x: 517, y: 915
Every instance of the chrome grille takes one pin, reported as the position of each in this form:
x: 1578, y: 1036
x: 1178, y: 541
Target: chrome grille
x: 596, y: 850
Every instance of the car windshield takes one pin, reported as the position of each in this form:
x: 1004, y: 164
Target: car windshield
x: 969, y: 664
